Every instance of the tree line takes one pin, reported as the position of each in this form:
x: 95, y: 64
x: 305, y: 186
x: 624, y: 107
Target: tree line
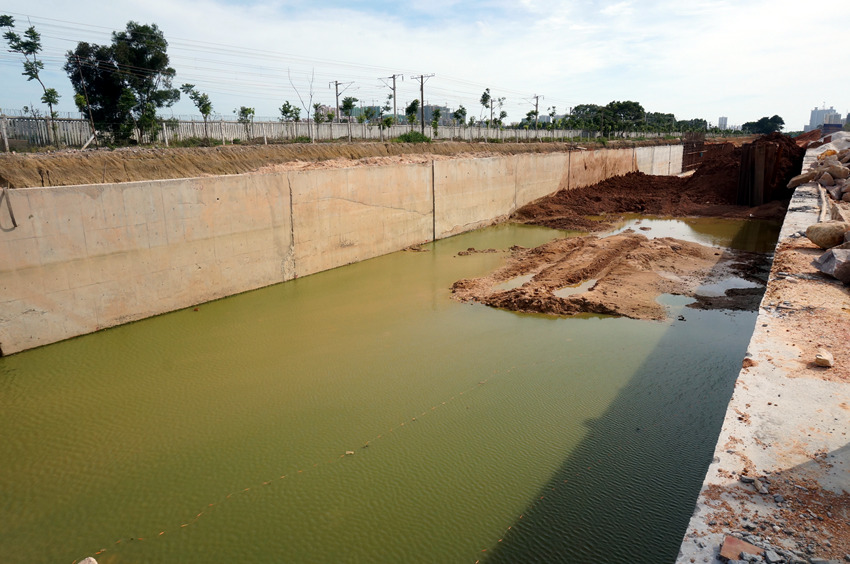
x: 121, y: 86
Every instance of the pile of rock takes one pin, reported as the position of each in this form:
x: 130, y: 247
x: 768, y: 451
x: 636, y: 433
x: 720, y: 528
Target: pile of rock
x: 831, y: 171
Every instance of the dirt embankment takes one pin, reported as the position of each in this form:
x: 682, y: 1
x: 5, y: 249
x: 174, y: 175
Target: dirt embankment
x: 72, y: 167
x: 712, y: 191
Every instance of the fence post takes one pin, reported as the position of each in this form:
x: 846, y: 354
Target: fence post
x: 3, y: 132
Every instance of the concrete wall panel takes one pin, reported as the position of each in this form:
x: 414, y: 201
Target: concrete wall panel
x: 88, y: 257
x: 347, y: 215
x: 471, y: 193
x: 539, y: 175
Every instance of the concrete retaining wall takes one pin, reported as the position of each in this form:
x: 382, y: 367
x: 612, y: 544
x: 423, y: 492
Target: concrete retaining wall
x: 83, y: 258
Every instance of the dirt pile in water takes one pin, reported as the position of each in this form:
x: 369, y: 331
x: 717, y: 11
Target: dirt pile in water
x: 626, y: 273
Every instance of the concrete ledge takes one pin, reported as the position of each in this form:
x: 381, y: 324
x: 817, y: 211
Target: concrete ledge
x: 783, y: 448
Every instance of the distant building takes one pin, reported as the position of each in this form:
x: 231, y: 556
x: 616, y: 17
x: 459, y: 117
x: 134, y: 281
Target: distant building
x: 722, y: 122
x: 445, y: 114
x: 823, y: 116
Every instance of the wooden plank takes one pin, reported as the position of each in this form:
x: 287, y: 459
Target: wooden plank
x: 745, y: 174
x: 760, y: 161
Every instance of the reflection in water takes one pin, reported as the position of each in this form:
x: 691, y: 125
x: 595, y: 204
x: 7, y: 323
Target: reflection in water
x: 223, y: 433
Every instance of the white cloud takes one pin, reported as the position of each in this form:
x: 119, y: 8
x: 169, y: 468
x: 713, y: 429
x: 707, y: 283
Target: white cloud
x: 700, y: 59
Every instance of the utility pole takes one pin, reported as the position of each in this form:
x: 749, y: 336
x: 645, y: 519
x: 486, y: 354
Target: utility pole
x: 393, y: 77
x: 536, y: 112
x: 337, y: 84
x: 422, y: 78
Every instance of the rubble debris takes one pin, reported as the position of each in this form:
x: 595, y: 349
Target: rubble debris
x: 835, y: 262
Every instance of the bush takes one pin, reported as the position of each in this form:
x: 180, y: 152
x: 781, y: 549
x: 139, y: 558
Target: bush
x: 412, y: 137
x: 302, y: 139
x: 195, y: 142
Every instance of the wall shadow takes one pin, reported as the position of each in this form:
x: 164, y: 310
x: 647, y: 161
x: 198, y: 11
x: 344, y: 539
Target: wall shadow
x: 627, y: 491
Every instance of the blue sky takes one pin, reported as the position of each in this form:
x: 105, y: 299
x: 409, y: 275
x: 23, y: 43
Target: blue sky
x: 702, y: 58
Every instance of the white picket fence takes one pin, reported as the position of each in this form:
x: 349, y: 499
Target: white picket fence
x: 24, y: 132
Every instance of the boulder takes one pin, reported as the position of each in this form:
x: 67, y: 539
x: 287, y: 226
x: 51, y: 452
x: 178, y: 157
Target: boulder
x: 836, y: 191
x: 826, y: 179
x: 828, y: 233
x: 836, y: 263
x: 802, y: 179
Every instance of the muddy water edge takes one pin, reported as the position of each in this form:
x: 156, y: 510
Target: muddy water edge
x: 362, y: 415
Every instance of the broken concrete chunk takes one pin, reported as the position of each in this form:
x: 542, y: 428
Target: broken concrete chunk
x: 824, y: 358
x: 836, y: 263
x: 828, y: 233
x: 772, y: 558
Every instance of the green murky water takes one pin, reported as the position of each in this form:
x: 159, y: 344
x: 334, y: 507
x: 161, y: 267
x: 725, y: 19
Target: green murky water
x: 221, y: 434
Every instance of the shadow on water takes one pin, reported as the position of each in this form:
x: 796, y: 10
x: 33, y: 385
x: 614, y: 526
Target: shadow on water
x: 626, y: 492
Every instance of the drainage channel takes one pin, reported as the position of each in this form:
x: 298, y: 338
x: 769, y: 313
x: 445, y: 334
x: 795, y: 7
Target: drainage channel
x: 362, y: 415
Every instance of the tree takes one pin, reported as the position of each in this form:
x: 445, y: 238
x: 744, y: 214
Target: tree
x: 370, y: 113
x: 435, y: 120
x: 30, y: 46
x: 490, y: 103
x: 318, y: 116
x: 659, y: 122
x: 289, y: 112
x: 622, y: 116
x: 695, y: 124
x: 485, y: 99
x: 586, y: 116
x: 551, y: 110
x: 411, y: 110
x: 459, y: 115
x: 123, y: 84
x: 245, y: 116
x: 765, y: 125
x: 348, y: 105
x: 202, y: 102
x: 308, y: 103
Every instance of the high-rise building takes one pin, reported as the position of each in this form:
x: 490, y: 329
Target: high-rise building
x: 821, y: 116
x: 722, y: 121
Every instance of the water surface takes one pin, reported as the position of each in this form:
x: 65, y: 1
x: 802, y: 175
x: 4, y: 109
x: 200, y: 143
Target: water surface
x: 478, y: 434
